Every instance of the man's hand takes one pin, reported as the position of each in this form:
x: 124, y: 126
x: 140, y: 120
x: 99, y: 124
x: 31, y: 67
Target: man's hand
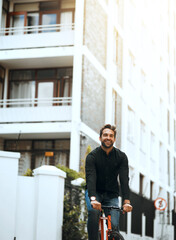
x: 96, y: 205
x: 127, y: 207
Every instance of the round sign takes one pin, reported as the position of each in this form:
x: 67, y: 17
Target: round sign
x: 160, y: 204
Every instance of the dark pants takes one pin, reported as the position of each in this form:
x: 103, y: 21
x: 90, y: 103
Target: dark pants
x: 93, y: 214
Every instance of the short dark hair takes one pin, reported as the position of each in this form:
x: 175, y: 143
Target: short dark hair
x: 112, y: 127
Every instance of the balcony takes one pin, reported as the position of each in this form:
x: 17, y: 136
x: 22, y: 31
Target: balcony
x: 39, y: 36
x: 35, y: 110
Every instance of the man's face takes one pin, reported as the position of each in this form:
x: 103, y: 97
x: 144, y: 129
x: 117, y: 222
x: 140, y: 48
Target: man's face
x: 107, y: 138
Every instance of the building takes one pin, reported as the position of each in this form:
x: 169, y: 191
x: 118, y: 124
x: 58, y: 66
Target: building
x: 69, y: 66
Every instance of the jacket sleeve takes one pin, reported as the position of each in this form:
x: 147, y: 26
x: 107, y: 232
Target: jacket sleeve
x: 124, y: 178
x: 91, y: 175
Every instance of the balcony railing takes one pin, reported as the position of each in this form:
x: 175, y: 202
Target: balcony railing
x: 36, y: 102
x: 36, y: 29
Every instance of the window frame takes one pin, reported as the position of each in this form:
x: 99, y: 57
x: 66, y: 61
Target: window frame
x: 58, y: 90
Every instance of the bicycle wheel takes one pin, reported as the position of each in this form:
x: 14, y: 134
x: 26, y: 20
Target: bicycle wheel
x: 115, y: 236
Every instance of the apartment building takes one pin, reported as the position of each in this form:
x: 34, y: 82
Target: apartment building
x: 67, y: 67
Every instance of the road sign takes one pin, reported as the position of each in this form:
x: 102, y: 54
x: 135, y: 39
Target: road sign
x: 160, y: 204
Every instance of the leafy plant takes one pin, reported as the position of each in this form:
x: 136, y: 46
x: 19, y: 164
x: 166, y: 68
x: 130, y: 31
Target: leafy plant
x: 28, y: 173
x: 71, y: 174
x: 73, y: 226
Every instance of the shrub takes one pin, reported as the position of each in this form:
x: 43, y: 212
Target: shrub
x: 73, y: 226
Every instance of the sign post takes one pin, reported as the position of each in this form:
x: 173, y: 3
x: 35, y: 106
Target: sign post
x: 161, y: 204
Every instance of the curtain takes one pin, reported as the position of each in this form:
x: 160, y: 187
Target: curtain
x: 61, y: 158
x: 66, y: 19
x: 22, y: 90
x: 48, y: 19
x: 66, y: 85
x: 45, y: 90
x: 18, y: 21
x: 33, y: 20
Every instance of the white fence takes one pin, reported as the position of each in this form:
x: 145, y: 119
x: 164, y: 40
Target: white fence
x: 35, y: 102
x: 31, y: 207
x: 37, y: 29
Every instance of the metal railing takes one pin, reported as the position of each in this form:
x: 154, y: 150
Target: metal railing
x: 37, y: 29
x: 36, y: 102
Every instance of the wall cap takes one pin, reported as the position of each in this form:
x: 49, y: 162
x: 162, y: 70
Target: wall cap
x: 6, y: 154
x: 49, y: 170
x: 77, y: 182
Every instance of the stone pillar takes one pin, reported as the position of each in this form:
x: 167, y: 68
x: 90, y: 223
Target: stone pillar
x: 49, y: 194
x: 8, y: 189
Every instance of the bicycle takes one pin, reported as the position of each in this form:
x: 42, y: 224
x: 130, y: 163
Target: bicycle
x: 110, y: 234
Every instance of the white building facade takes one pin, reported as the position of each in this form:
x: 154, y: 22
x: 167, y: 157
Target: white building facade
x: 68, y: 67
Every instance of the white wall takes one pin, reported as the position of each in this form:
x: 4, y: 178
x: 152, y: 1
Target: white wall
x: 8, y: 195
x: 22, y: 41
x: 31, y: 207
x: 35, y: 114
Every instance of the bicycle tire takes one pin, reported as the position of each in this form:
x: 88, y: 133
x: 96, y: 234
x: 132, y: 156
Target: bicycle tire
x: 115, y: 236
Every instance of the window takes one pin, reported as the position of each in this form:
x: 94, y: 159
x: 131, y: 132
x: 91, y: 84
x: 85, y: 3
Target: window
x: 40, y: 84
x: 175, y: 98
x: 143, y: 143
x: 141, y: 184
x: 117, y: 56
x: 161, y: 116
x: 151, y: 190
x: 33, y: 152
x: 175, y: 175
x: 168, y: 208
x: 153, y: 150
x: 168, y: 87
x: 168, y: 167
x: 132, y: 70
x: 174, y: 134
x: 131, y: 125
x: 2, y: 77
x: 168, y: 126
x: 44, y: 13
x: 116, y: 114
x: 5, y: 9
x: 114, y: 108
x: 152, y: 146
x: 143, y: 89
x: 161, y: 161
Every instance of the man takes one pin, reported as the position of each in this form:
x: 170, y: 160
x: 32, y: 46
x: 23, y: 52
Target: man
x: 103, y: 165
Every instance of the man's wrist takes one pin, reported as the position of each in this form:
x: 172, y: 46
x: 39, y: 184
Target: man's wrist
x: 92, y: 198
x: 126, y: 201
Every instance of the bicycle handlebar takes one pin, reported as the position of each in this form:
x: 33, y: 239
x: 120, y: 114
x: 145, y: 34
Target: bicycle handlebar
x: 112, y: 207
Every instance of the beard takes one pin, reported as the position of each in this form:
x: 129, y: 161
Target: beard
x: 104, y: 145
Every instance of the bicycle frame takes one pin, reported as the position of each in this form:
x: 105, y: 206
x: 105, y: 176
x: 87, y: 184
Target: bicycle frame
x: 101, y: 226
x: 104, y: 236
